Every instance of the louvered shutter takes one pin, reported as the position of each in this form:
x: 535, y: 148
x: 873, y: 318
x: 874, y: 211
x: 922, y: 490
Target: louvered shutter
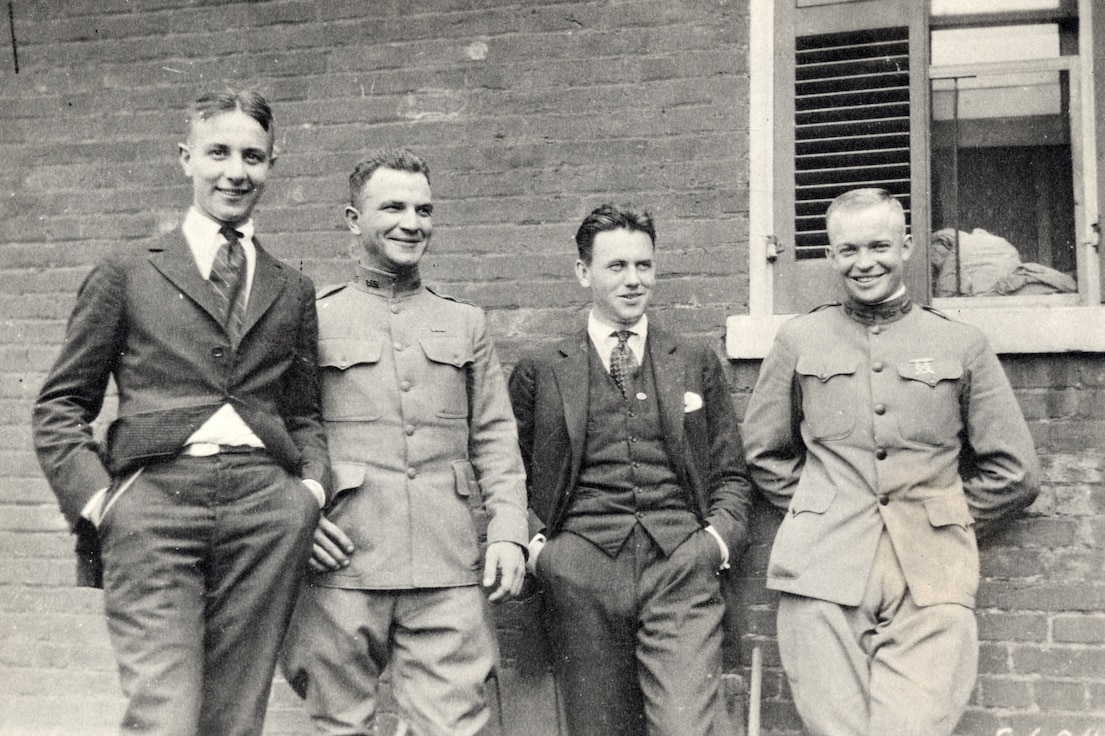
x: 850, y: 111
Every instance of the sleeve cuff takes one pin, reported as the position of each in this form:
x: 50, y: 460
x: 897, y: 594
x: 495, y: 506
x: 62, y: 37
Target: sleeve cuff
x: 91, y: 510
x: 721, y: 545
x: 316, y: 489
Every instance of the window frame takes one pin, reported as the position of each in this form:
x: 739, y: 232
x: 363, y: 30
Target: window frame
x: 1046, y: 324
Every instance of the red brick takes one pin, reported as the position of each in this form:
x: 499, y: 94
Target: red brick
x: 1060, y: 695
x: 1079, y: 629
x: 1002, y: 692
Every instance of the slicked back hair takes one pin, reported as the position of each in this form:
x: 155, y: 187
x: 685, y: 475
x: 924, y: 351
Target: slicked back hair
x: 608, y: 217
x: 250, y: 102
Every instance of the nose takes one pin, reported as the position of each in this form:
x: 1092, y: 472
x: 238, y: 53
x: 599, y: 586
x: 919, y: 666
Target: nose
x: 409, y: 220
x: 865, y: 260
x: 632, y: 277
x: 235, y: 168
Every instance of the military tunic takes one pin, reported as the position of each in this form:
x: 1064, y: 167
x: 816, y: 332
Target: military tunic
x: 885, y: 433
x: 419, y: 424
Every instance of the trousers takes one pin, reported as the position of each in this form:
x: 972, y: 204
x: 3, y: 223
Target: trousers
x: 203, y: 559
x: 886, y: 666
x: 635, y: 638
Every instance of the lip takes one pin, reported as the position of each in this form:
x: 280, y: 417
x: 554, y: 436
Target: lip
x: 233, y: 193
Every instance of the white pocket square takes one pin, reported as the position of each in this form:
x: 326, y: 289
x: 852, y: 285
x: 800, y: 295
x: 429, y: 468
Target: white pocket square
x: 691, y: 402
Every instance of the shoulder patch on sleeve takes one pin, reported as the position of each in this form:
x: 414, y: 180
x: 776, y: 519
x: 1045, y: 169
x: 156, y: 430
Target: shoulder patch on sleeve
x: 438, y: 294
x: 326, y: 291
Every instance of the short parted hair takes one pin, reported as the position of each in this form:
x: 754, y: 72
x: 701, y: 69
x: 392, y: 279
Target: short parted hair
x: 860, y: 199
x: 608, y: 217
x: 399, y: 159
x: 250, y: 102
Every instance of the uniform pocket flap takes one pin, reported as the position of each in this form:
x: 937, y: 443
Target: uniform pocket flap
x: 816, y: 502
x: 824, y: 368
x: 465, y: 478
x: 453, y: 351
x: 344, y: 352
x: 948, y: 511
x: 930, y: 371
x: 347, y: 476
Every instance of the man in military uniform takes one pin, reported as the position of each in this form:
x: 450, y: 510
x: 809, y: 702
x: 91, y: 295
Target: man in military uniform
x: 419, y: 424
x: 887, y: 432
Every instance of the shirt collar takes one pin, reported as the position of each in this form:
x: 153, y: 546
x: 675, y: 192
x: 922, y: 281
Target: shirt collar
x: 203, y: 232
x: 603, y: 339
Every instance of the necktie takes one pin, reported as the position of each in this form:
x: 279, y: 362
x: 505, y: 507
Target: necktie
x: 228, y: 275
x: 623, y: 364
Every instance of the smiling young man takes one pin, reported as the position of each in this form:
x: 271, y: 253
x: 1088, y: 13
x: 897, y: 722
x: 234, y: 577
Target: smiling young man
x: 202, y: 500
x: 887, y: 432
x: 419, y: 425
x: 638, y: 499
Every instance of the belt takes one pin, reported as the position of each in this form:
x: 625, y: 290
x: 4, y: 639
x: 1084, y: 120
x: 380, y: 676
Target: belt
x: 206, y: 449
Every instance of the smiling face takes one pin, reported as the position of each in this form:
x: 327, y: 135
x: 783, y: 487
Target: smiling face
x: 620, y: 276
x: 868, y: 248
x: 228, y: 157
x: 394, y: 220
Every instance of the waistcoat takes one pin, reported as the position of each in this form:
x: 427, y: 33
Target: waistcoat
x: 625, y: 477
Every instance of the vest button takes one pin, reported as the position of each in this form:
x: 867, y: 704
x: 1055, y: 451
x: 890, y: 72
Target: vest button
x: 880, y: 409
x: 884, y: 499
x: 880, y: 454
x: 411, y: 472
x: 877, y: 366
x: 409, y: 429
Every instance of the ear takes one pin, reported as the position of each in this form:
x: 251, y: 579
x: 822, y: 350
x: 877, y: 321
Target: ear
x: 583, y: 274
x: 907, y: 247
x: 185, y: 159
x: 353, y: 219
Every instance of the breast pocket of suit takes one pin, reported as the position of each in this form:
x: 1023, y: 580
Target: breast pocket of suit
x: 828, y: 396
x: 929, y: 409
x: 449, y: 357
x: 350, y: 376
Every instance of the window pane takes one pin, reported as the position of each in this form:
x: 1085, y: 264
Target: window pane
x: 942, y: 8
x: 1003, y: 199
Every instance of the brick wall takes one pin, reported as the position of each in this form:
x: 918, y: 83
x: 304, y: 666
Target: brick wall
x: 529, y: 114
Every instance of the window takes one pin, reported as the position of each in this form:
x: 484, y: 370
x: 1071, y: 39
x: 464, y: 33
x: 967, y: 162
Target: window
x: 977, y: 114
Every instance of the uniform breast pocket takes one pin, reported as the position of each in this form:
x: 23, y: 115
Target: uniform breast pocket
x: 930, y: 412
x: 349, y: 367
x: 828, y: 396
x: 449, y: 358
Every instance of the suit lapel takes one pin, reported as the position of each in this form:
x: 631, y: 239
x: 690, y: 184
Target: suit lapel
x: 268, y: 282
x: 173, y: 258
x: 572, y: 373
x: 670, y: 373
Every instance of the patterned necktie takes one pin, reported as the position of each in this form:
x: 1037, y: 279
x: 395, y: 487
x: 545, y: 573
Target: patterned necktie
x: 228, y: 275
x: 623, y: 364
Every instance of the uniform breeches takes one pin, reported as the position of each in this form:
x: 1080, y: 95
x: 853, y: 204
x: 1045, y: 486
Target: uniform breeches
x: 203, y: 558
x: 886, y: 666
x: 437, y: 643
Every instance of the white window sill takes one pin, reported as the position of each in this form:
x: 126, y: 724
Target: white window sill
x: 1022, y: 328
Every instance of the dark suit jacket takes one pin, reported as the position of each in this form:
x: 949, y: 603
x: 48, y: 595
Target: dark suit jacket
x: 549, y: 392
x: 147, y: 318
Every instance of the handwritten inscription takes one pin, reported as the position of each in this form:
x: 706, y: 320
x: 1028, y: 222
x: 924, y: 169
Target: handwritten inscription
x: 1063, y: 732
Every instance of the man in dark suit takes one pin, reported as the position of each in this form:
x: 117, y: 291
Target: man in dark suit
x: 204, y: 495
x: 638, y: 498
